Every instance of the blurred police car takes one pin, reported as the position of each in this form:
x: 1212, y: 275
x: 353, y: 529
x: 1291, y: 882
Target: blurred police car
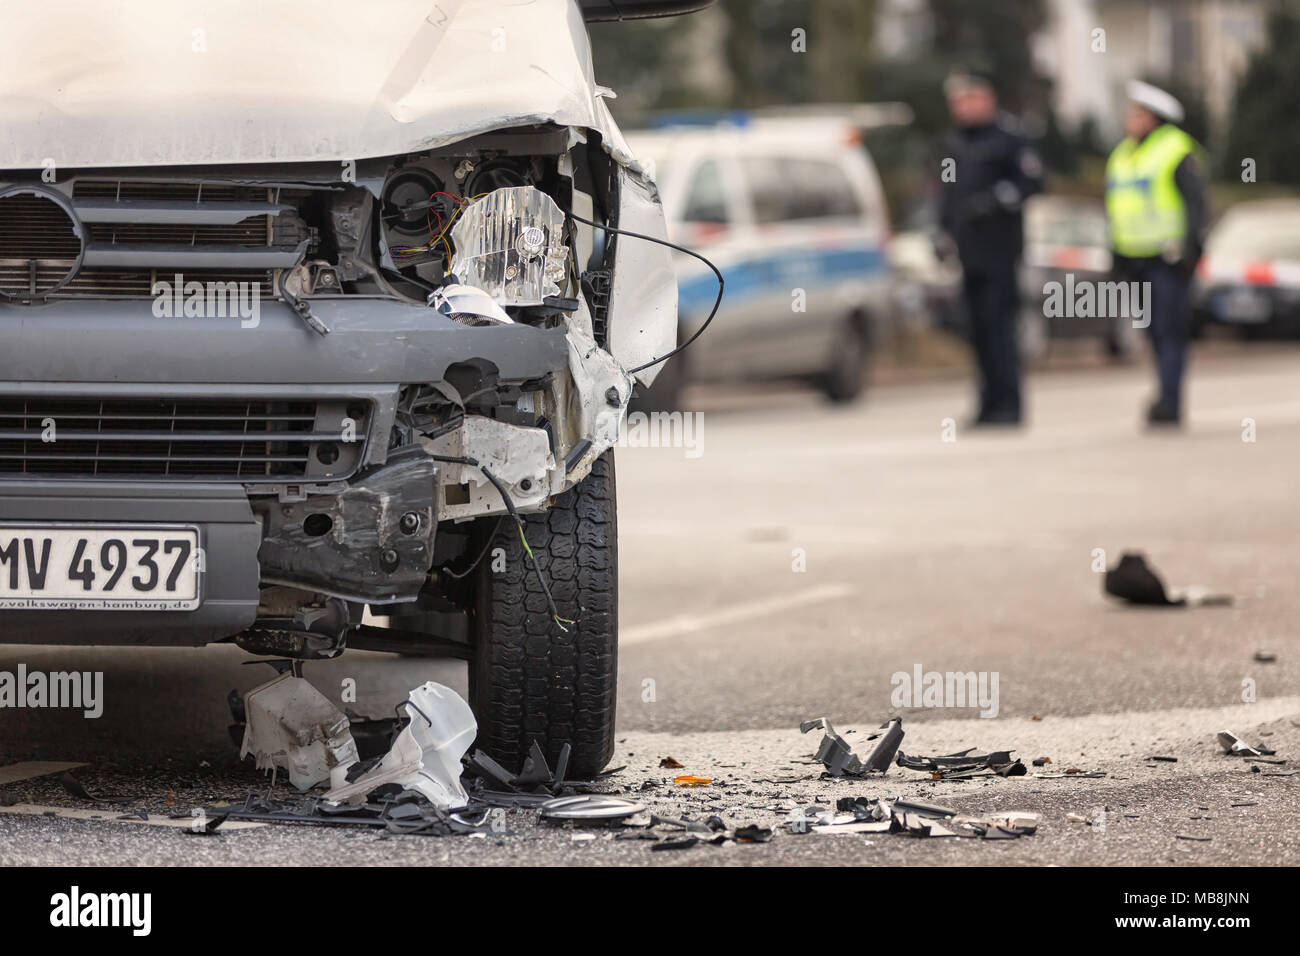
x: 791, y: 211
x: 1249, y: 276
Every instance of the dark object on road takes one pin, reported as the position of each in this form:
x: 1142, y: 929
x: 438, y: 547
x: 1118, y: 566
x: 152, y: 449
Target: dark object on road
x: 1135, y: 581
x: 536, y: 777
x: 965, y: 764
x: 1266, y: 657
x: 838, y: 757
x: 1194, y: 839
x: 407, y: 812
x: 1042, y: 761
x: 670, y: 763
x: 683, y: 844
x: 1164, y: 759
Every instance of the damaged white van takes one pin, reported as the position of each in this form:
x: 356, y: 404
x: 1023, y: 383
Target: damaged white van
x: 313, y: 310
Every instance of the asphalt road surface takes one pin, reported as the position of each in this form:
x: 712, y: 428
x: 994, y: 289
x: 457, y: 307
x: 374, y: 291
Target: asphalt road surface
x: 787, y: 571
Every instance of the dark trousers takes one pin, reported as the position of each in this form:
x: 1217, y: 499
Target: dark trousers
x: 993, y: 304
x: 1168, y: 305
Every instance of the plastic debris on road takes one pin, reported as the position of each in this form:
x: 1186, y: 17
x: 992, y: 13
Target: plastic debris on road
x: 293, y: 726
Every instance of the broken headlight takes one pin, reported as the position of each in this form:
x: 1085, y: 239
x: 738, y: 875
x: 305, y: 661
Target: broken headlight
x: 511, y: 245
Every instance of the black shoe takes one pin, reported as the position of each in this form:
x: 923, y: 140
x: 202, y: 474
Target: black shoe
x: 1163, y: 414
x: 1004, y: 417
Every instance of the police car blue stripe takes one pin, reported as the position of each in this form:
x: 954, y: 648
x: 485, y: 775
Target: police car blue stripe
x: 783, y: 270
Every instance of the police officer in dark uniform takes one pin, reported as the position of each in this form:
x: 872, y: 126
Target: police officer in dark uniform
x: 987, y: 171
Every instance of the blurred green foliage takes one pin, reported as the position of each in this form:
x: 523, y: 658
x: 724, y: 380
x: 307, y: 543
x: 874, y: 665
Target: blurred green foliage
x: 1265, y: 116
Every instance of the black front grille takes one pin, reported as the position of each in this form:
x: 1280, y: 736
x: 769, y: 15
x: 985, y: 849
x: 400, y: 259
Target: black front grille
x: 171, y: 438
x: 137, y: 232
x: 119, y: 283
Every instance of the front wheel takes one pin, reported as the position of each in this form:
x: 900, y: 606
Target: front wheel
x: 531, y: 677
x: 846, y: 375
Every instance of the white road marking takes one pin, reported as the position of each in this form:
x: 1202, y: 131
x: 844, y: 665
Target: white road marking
x: 692, y: 623
x: 117, y: 816
x: 29, y: 769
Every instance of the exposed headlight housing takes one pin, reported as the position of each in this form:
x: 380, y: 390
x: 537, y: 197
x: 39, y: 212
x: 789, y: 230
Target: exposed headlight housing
x: 511, y: 245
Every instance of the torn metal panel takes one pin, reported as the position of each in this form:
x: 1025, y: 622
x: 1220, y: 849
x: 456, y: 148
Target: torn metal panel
x: 643, y: 299
x: 426, y: 755
x: 519, y: 456
x: 371, y: 542
x: 598, y: 402
x: 293, y: 726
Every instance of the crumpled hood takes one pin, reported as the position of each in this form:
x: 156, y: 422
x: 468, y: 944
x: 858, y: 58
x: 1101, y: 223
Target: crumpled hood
x: 169, y: 82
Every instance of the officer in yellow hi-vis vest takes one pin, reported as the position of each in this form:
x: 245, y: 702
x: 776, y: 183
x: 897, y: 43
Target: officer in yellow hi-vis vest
x: 1155, y: 199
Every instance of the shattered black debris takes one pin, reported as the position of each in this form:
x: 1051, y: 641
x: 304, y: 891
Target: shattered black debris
x: 910, y: 818
x: 839, y: 758
x: 964, y: 765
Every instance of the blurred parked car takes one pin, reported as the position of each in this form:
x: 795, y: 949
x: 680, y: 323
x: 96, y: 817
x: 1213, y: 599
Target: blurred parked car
x: 791, y: 211
x: 1066, y: 241
x: 927, y: 278
x: 1249, y: 276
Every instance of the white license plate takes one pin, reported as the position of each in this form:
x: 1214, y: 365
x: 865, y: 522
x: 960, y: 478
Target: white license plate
x: 123, y: 568
x: 1245, y: 305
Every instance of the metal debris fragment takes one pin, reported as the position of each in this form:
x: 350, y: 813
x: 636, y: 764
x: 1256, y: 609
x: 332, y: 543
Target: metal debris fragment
x: 964, y: 765
x: 839, y: 758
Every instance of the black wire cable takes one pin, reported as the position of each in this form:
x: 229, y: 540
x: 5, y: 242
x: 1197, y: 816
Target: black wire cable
x: 514, y: 513
x: 671, y: 245
x: 491, y: 539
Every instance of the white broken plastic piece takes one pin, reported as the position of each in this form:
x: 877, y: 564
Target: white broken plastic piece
x: 1235, y: 746
x: 468, y: 304
x: 290, y: 724
x: 853, y: 826
x: 426, y: 755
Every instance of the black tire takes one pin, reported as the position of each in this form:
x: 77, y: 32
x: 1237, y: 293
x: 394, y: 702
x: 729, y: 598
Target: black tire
x: 845, y: 377
x: 530, y: 680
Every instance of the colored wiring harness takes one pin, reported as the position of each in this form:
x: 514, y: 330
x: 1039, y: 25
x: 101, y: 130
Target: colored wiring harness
x: 560, y: 622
